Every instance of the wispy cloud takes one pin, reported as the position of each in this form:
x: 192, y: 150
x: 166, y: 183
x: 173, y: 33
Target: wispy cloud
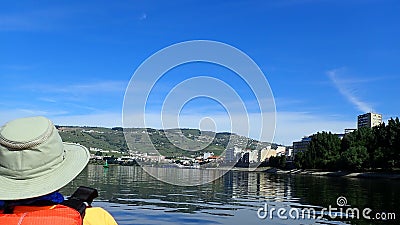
x: 7, y: 115
x: 106, y: 119
x: 292, y: 126
x: 44, y: 99
x: 103, y: 86
x: 84, y: 88
x: 344, y: 88
x: 36, y: 19
x: 76, y: 98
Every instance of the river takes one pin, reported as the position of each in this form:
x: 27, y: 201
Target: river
x: 134, y: 197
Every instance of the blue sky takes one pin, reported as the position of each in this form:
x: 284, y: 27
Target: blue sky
x: 326, y: 61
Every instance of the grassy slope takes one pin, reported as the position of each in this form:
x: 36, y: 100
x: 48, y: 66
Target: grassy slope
x: 113, y: 139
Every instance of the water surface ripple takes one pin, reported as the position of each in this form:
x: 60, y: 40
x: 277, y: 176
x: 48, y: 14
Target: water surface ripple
x: 134, y: 197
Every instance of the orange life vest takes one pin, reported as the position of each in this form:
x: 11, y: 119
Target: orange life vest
x: 41, y: 215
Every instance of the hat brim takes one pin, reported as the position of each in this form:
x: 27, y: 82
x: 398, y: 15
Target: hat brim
x: 76, y: 159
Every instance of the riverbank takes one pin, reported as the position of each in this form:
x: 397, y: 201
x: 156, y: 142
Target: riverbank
x: 371, y: 175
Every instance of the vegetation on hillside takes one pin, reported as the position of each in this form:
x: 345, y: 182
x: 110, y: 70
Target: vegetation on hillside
x: 144, y: 139
x: 95, y: 137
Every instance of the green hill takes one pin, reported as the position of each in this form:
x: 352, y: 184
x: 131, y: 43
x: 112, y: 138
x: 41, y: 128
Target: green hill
x: 143, y: 139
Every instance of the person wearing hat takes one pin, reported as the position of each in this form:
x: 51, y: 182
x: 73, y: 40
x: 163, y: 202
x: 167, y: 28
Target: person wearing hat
x: 34, y: 165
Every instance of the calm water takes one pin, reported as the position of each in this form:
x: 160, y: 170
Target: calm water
x: 134, y: 197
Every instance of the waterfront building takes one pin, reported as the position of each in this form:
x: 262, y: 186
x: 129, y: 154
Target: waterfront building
x: 253, y: 157
x: 237, y: 151
x: 230, y: 155
x: 245, y: 158
x: 349, y: 130
x: 289, y: 153
x: 369, y: 120
x: 266, y: 153
x: 301, y: 146
x: 207, y: 155
x: 340, y: 136
x: 233, y: 154
x: 280, y: 150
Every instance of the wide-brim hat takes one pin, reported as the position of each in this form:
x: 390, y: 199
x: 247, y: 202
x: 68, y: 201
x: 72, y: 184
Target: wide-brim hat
x: 34, y: 161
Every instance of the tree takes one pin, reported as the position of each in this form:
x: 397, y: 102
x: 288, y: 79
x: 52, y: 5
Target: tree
x: 299, y: 160
x: 277, y: 161
x: 282, y: 162
x: 386, y: 145
x: 365, y: 148
x: 351, y: 148
x: 323, y: 151
x: 355, y: 158
x: 377, y: 156
x: 393, y: 142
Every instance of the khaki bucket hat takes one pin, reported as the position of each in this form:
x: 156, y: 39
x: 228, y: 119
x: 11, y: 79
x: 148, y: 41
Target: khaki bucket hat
x: 34, y: 161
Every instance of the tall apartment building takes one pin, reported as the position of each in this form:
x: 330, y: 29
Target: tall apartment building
x: 369, y: 120
x: 301, y: 146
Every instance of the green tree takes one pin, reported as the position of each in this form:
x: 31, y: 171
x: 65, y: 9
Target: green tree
x: 277, y: 161
x: 353, y: 146
x: 299, y: 160
x: 355, y: 158
x: 323, y: 151
x: 362, y: 149
x: 282, y: 162
x: 393, y: 142
x: 386, y: 145
x: 379, y: 145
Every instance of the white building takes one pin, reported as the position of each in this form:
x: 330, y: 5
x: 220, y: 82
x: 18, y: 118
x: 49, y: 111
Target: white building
x: 253, y: 156
x: 206, y: 155
x: 266, y: 153
x: 280, y: 150
x: 289, y: 152
x: 369, y: 120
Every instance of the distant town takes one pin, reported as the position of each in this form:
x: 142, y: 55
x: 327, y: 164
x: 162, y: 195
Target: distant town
x: 109, y: 145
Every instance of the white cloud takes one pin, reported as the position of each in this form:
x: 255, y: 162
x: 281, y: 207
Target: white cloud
x: 36, y: 19
x: 108, y: 119
x: 7, y: 115
x: 84, y: 88
x: 292, y: 126
x: 104, y: 86
x: 50, y: 100
x: 346, y: 91
x: 76, y: 95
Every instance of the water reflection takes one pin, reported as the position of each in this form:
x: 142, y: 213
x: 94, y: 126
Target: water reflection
x: 134, y: 197
x: 184, y: 176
